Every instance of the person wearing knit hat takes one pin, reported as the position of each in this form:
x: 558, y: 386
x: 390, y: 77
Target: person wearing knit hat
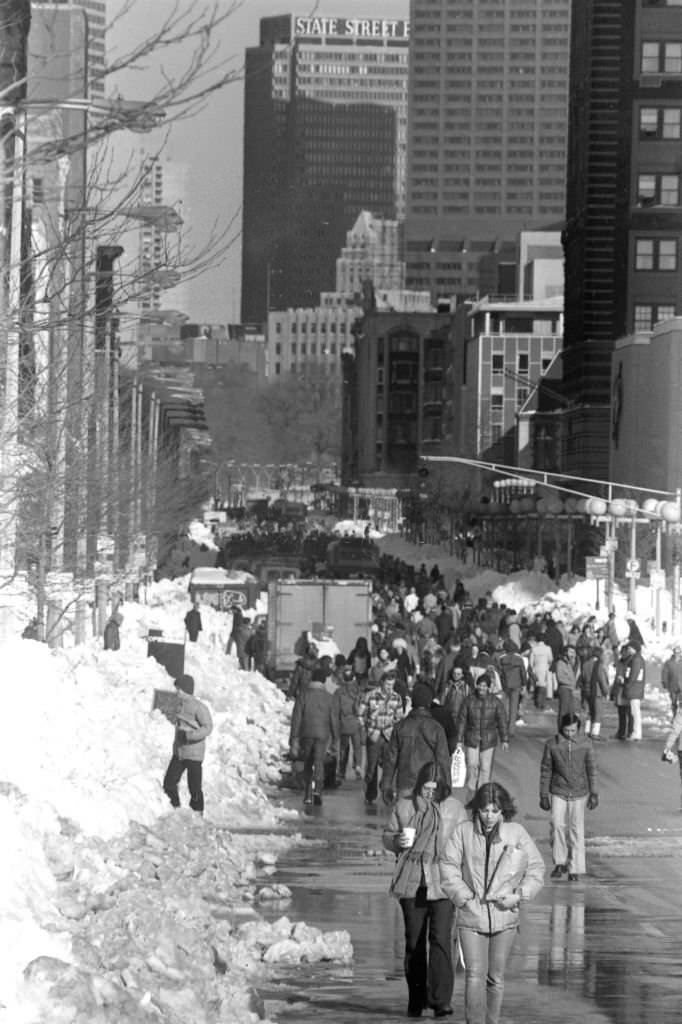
x: 415, y: 741
x: 193, y: 724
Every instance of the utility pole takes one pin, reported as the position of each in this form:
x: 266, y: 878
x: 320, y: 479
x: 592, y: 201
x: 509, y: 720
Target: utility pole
x: 15, y: 21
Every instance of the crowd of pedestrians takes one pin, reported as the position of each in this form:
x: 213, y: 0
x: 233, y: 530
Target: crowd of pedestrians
x: 445, y: 676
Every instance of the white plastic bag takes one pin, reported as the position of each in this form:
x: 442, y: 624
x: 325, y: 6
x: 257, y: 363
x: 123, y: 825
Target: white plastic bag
x: 458, y: 769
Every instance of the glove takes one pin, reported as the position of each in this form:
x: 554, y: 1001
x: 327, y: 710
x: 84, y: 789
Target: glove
x: 667, y: 755
x: 592, y: 801
x: 387, y: 796
x: 545, y: 803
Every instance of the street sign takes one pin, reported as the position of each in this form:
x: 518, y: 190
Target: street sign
x: 632, y: 565
x: 651, y: 566
x: 657, y: 579
x: 632, y: 574
x: 596, y: 567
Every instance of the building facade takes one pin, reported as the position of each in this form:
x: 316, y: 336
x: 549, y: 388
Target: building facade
x: 325, y: 136
x: 300, y: 339
x: 373, y: 252
x: 623, y: 200
x: 488, y: 97
x: 90, y: 52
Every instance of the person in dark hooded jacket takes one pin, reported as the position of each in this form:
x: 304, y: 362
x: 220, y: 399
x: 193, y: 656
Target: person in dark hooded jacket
x: 314, y: 727
x: 112, y: 635
x: 415, y: 740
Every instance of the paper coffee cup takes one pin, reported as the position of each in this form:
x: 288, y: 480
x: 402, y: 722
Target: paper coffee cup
x: 409, y: 834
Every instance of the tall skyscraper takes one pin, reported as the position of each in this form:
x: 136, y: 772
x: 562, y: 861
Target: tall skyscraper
x: 76, y: 30
x: 622, y: 236
x: 325, y: 130
x: 487, y: 120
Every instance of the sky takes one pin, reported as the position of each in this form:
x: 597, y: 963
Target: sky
x: 210, y: 141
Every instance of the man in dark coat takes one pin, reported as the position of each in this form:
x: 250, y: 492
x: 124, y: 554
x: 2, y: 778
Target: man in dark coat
x: 314, y: 728
x: 415, y: 741
x: 193, y: 622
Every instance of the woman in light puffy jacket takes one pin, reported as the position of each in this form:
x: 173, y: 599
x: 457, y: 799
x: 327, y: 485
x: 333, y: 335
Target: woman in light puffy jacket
x: 488, y: 868
x: 417, y: 831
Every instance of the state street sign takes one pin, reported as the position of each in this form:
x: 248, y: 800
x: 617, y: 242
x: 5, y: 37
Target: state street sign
x: 657, y: 579
x: 596, y: 567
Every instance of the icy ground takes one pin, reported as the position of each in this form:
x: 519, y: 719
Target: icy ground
x: 115, y: 909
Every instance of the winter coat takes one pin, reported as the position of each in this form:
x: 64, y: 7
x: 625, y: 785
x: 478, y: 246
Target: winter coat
x: 566, y: 674
x: 112, y: 636
x: 403, y: 816
x: 193, y: 624
x: 193, y: 725
x: 301, y: 676
x: 348, y: 699
x: 415, y: 741
x: 512, y: 672
x: 598, y: 685
x: 446, y: 719
x: 568, y: 768
x: 671, y: 677
x: 315, y: 715
x: 634, y: 678
x: 539, y: 662
x: 379, y: 712
x: 481, y: 721
x: 466, y: 871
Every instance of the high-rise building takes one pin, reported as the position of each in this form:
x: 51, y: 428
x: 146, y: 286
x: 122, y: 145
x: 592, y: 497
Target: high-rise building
x: 622, y: 236
x: 372, y: 253
x: 487, y: 121
x: 88, y: 48
x: 325, y: 134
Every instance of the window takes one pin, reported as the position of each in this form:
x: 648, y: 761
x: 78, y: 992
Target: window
x: 278, y: 368
x: 656, y: 254
x: 498, y: 362
x: 646, y: 315
x: 665, y: 58
x: 521, y: 396
x: 294, y: 346
x: 660, y: 122
x: 522, y: 363
x: 658, y: 189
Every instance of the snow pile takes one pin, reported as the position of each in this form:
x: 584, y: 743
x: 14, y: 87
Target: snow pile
x: 116, y: 908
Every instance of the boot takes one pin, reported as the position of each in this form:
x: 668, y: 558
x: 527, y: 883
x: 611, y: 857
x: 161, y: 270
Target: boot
x: 588, y: 727
x: 308, y: 795
x: 317, y: 797
x: 596, y: 729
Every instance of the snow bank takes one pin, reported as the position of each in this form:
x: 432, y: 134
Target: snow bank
x: 116, y: 908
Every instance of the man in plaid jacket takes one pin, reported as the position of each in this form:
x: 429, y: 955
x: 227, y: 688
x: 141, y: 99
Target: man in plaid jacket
x: 379, y: 711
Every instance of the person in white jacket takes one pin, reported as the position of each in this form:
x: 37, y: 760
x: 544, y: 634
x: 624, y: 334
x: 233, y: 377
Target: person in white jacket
x: 489, y: 868
x: 539, y: 669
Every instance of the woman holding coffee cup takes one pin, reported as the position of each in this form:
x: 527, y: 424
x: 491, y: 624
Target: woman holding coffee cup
x: 417, y: 831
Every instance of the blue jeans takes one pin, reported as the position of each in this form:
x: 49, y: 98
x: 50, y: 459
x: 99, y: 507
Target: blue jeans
x: 485, y: 958
x: 375, y: 760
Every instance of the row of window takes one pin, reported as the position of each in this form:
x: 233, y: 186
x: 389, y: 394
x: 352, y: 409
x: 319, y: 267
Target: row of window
x: 320, y: 328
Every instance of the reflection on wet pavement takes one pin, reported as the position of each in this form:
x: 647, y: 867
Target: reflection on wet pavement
x: 604, y: 949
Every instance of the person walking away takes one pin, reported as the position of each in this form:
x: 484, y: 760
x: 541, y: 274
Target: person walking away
x: 596, y: 690
x: 447, y: 722
x: 193, y: 622
x: 112, y: 633
x: 671, y: 677
x: 539, y: 666
x: 480, y: 723
x: 416, y: 740
x: 672, y: 741
x: 240, y: 633
x: 256, y: 648
x: 348, y: 697
x: 567, y: 670
x: 380, y: 710
x: 360, y: 659
x: 303, y: 672
x: 514, y: 680
x: 314, y: 726
x: 488, y: 868
x: 420, y: 825
x: 634, y: 679
x: 193, y: 724
x: 568, y: 783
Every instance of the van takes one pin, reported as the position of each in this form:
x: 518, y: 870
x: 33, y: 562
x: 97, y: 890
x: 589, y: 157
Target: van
x: 353, y: 558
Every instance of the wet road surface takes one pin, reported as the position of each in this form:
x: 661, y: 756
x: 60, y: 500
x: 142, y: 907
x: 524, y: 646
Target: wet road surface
x: 607, y: 948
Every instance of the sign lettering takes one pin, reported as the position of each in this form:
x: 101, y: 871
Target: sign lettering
x: 361, y: 28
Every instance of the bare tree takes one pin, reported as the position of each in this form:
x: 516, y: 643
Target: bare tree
x: 304, y: 415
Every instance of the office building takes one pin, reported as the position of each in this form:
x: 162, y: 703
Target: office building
x: 372, y: 253
x: 325, y: 134
x: 622, y: 237
x: 488, y: 95
x: 84, y: 45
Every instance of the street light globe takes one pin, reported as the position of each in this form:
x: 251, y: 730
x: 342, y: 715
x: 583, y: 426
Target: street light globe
x: 651, y: 505
x: 556, y: 506
x: 515, y: 506
x: 541, y: 506
x: 617, y: 508
x: 581, y: 506
x: 596, y: 507
x: 527, y: 504
x: 670, y: 512
x: 571, y: 505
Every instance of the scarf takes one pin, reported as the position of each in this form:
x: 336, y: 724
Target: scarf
x: 410, y: 869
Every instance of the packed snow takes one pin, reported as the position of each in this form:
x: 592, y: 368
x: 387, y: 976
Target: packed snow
x: 116, y: 908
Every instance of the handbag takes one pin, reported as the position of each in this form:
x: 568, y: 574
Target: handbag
x: 458, y: 768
